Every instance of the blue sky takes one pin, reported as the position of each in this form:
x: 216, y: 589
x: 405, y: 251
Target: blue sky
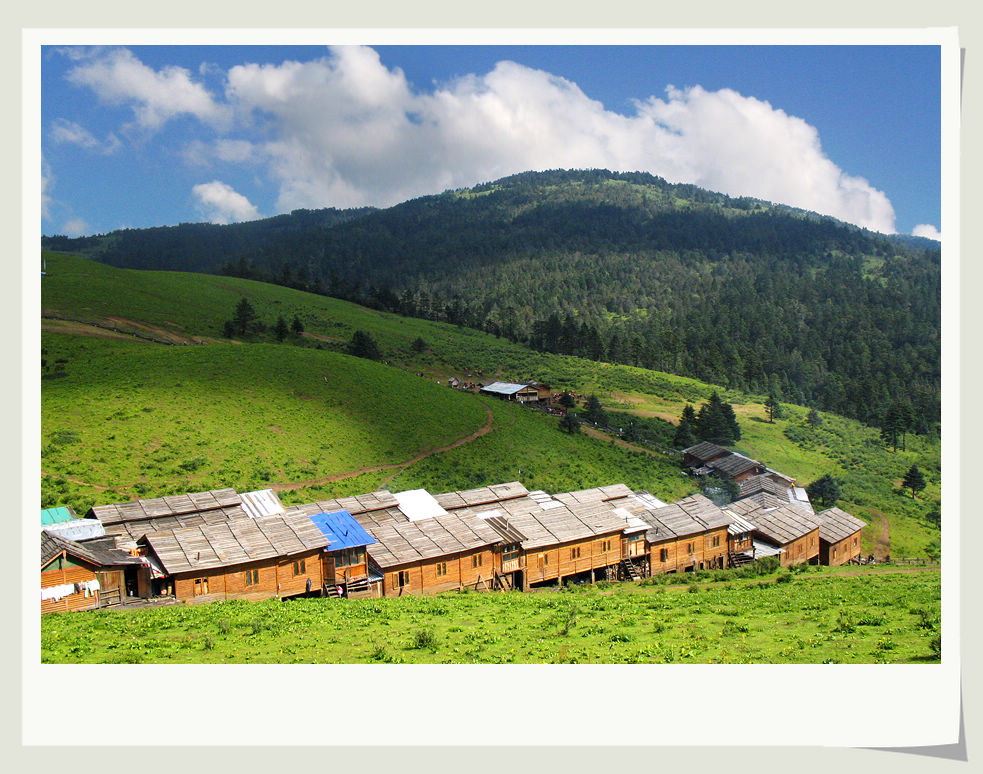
x: 157, y: 135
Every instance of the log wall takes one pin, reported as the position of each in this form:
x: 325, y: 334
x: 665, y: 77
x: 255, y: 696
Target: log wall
x: 63, y: 575
x: 802, y: 550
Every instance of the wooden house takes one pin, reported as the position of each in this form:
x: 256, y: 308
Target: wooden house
x: 702, y: 453
x: 690, y: 534
x: 774, y: 484
x: 520, y: 393
x: 345, y: 563
x: 794, y: 531
x: 272, y: 556
x: 75, y: 576
x: 740, y: 540
x: 839, y: 537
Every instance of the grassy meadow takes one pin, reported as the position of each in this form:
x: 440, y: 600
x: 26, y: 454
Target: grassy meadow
x: 816, y: 615
x: 126, y: 419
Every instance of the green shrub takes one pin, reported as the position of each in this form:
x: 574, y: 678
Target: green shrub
x: 425, y: 639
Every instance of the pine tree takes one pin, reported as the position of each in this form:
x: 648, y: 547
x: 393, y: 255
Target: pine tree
x: 566, y: 400
x: 813, y: 418
x: 773, y: 407
x: 363, y: 345
x: 594, y: 413
x: 824, y: 490
x: 281, y: 330
x: 689, y: 414
x: 246, y: 320
x: 297, y: 327
x: 913, y: 480
x: 570, y: 423
x: 418, y: 345
x: 684, y: 437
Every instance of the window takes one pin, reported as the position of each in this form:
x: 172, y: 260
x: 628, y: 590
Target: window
x: 201, y: 586
x: 511, y: 553
x: 663, y: 554
x: 575, y: 553
x: 300, y: 567
x: 854, y: 541
x: 689, y: 548
x: 401, y: 578
x: 441, y: 569
x: 834, y: 552
x: 716, y: 541
x: 349, y: 556
x: 252, y: 576
x: 476, y: 560
x: 606, y: 545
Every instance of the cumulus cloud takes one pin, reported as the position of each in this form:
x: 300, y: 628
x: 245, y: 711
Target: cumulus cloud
x: 928, y: 231
x: 344, y: 130
x: 220, y: 203
x: 348, y: 131
x: 75, y: 227
x: 118, y: 77
x: 64, y: 131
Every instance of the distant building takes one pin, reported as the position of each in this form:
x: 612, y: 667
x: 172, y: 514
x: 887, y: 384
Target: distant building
x: 521, y: 393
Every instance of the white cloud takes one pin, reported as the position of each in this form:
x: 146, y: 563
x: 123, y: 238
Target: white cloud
x: 64, y: 131
x: 47, y: 183
x: 201, y: 154
x: 118, y: 77
x: 928, y: 231
x: 220, y: 203
x: 347, y: 131
x: 75, y: 227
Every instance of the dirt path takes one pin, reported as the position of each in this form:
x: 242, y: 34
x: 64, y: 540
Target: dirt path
x: 882, y: 549
x: 396, y: 467
x: 593, y: 432
x: 80, y: 482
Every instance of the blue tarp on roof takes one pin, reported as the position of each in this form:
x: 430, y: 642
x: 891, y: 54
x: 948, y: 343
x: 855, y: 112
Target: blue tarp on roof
x: 341, y: 530
x: 57, y: 515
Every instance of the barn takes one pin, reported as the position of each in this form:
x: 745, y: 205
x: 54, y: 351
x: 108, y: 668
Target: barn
x: 839, y: 537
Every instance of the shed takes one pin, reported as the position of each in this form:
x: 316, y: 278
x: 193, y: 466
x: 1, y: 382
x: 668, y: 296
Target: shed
x: 788, y: 526
x: 522, y: 393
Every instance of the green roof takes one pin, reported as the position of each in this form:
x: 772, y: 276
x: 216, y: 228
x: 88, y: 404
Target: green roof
x: 57, y: 515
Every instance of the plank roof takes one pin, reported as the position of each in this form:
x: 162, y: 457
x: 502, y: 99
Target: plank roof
x: 595, y: 494
x: 763, y: 483
x: 565, y: 523
x: 176, y: 505
x: 836, y: 524
x: 734, y: 464
x: 481, y: 495
x: 234, y: 541
x: 779, y: 522
x: 98, y: 555
x: 404, y: 542
x: 137, y: 528
x: 706, y: 451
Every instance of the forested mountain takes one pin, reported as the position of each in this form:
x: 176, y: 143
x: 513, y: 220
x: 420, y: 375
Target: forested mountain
x: 619, y: 267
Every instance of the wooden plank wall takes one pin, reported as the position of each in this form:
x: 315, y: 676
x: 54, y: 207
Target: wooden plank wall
x: 802, y: 549
x: 72, y: 601
x: 680, y: 558
x: 845, y: 550
x: 558, y: 562
x: 461, y: 573
x: 276, y: 578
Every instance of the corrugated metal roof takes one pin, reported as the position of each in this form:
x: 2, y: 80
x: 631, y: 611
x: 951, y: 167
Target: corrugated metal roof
x: 261, y: 503
x: 504, y: 388
x: 418, y: 504
x: 342, y: 530
x: 76, y: 529
x: 57, y: 515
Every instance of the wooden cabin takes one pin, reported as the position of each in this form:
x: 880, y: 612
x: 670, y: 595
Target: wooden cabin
x: 740, y: 540
x: 273, y: 556
x: 688, y: 535
x: 345, y: 563
x: 791, y: 529
x: 706, y: 457
x: 75, y: 576
x: 703, y: 453
x: 839, y: 537
x: 520, y: 393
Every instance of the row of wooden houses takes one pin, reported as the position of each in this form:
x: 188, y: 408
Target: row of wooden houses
x: 222, y: 544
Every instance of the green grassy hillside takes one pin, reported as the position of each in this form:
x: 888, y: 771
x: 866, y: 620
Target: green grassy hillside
x: 132, y: 418
x: 821, y: 615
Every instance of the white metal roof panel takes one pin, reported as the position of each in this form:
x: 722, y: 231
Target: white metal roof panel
x: 417, y: 504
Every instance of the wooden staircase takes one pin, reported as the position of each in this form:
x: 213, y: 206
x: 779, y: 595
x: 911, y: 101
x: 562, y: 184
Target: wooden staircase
x: 630, y: 570
x: 502, y: 581
x: 738, y: 560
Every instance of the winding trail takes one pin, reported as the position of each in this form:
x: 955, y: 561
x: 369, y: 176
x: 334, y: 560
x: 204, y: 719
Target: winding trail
x: 882, y: 549
x: 396, y: 467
